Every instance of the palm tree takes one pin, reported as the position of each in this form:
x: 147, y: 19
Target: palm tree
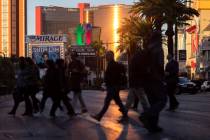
x: 100, y: 52
x: 134, y: 31
x: 170, y: 12
x: 150, y: 10
x: 176, y: 14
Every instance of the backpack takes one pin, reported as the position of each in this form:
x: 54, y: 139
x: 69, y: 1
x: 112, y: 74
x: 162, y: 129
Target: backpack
x: 122, y: 76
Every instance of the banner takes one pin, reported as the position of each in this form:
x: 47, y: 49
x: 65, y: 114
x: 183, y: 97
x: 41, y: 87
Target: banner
x: 42, y: 53
x: 46, y: 39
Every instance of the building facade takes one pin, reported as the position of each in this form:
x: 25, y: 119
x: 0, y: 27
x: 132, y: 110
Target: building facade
x: 12, y: 27
x: 53, y: 20
x: 56, y: 20
x: 110, y: 19
x: 192, y: 39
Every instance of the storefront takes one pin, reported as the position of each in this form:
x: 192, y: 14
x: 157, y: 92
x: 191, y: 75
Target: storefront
x: 43, y: 47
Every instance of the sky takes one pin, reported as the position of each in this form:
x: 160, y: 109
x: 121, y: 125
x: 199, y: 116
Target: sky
x: 31, y: 4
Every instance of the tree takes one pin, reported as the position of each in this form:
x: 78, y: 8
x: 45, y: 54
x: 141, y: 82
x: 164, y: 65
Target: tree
x: 170, y: 12
x: 134, y: 31
x: 176, y: 14
x: 100, y: 52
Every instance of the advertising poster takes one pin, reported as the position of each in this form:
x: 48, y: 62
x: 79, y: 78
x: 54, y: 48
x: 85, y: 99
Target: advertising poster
x: 42, y: 53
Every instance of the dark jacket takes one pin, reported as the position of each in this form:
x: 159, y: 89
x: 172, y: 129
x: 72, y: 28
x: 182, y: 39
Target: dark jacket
x: 138, y: 70
x: 155, y: 62
x: 76, y: 69
x: 172, y: 67
x: 112, y: 74
x: 51, y: 81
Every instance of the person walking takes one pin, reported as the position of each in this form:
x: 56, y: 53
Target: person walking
x: 20, y: 91
x: 137, y: 73
x: 171, y: 78
x: 77, y: 70
x: 51, y: 87
x: 154, y: 83
x: 33, y: 83
x: 60, y: 66
x: 113, y: 82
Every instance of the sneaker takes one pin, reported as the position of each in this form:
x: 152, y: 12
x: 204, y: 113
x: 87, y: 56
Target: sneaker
x: 84, y: 111
x: 11, y: 113
x: 27, y: 114
x: 145, y: 121
x: 96, y: 117
x: 123, y: 120
x: 173, y: 108
x: 156, y: 129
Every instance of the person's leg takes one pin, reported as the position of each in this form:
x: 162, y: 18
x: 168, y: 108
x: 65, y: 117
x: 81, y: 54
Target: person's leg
x: 173, y: 103
x: 82, y: 103
x: 75, y: 98
x: 157, y: 99
x: 118, y: 101
x: 68, y: 104
x: 17, y: 98
x: 107, y: 101
x: 136, y: 102
x: 130, y: 98
x: 43, y: 101
x: 28, y: 105
x: 142, y: 97
x: 55, y: 105
x: 35, y: 103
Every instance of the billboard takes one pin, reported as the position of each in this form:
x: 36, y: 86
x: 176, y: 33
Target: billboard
x: 42, y: 53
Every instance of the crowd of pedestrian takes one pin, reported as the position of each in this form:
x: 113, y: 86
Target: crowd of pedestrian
x: 149, y: 84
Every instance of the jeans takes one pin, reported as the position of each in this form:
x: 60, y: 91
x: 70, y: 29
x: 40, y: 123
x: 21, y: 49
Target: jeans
x: 171, y: 89
x: 156, y: 94
x: 140, y: 94
x: 112, y: 93
x: 78, y: 96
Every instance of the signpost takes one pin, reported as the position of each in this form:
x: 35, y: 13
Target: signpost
x: 83, y: 51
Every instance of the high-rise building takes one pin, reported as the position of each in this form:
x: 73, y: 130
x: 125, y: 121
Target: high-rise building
x: 191, y: 37
x: 55, y: 20
x: 12, y: 27
x: 109, y: 18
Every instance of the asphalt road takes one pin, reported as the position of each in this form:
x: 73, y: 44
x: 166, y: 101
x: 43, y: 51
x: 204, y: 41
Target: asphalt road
x: 190, y: 122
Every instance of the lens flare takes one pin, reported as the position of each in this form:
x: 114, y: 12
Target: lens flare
x: 87, y: 16
x: 115, y: 27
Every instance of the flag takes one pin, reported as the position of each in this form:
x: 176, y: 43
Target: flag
x: 193, y: 30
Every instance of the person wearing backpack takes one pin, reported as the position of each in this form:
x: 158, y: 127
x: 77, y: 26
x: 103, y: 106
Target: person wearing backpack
x: 137, y: 74
x: 77, y: 71
x: 113, y: 84
x: 154, y: 83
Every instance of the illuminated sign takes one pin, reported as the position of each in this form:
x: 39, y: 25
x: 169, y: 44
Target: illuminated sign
x: 83, y: 51
x: 79, y: 34
x: 83, y: 31
x: 46, y: 38
x: 40, y: 52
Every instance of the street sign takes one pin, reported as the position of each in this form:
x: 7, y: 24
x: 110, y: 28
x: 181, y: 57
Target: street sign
x: 182, y: 55
x: 83, y: 51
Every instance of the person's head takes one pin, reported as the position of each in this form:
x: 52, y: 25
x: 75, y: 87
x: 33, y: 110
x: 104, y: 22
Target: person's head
x: 110, y: 56
x: 22, y: 62
x: 50, y: 64
x: 74, y: 55
x: 45, y: 56
x: 155, y: 36
x: 29, y: 61
x: 60, y: 63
